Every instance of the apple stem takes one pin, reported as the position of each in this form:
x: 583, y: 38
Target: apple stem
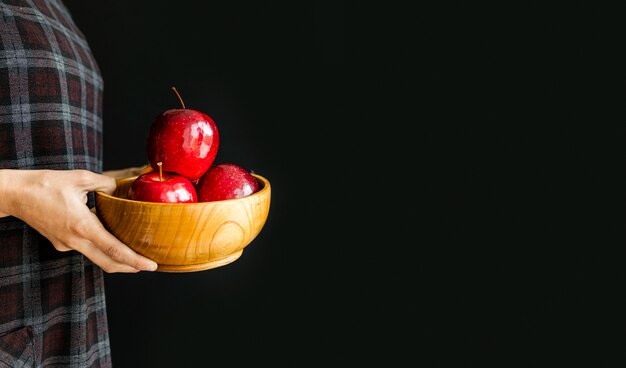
x: 178, y: 94
x: 160, y: 165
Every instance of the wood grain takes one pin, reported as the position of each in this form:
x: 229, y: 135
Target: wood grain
x: 185, y: 237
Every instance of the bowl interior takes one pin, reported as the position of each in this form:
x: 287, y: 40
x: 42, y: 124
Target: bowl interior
x: 123, y: 186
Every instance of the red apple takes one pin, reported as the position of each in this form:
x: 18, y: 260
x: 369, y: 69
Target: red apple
x: 226, y: 181
x: 184, y: 140
x: 166, y: 187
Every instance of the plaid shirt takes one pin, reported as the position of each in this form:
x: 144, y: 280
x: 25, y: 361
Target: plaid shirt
x: 52, y: 304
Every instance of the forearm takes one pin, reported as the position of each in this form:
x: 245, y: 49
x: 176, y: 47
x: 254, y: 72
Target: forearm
x: 4, y: 195
x: 10, y: 183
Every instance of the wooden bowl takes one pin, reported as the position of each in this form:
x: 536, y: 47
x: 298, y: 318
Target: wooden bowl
x: 185, y: 237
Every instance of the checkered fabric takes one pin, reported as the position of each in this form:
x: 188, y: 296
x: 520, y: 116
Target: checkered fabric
x: 52, y: 304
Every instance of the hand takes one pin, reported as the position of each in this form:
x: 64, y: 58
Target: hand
x: 54, y: 202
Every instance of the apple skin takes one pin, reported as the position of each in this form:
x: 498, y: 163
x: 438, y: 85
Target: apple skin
x: 184, y: 140
x: 174, y: 188
x: 225, y: 181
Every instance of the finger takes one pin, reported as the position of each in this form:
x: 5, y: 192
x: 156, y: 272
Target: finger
x: 93, y: 182
x: 61, y: 247
x: 118, y: 251
x: 123, y: 254
x: 103, y: 260
x: 105, y: 184
x: 106, y: 263
x: 91, y: 229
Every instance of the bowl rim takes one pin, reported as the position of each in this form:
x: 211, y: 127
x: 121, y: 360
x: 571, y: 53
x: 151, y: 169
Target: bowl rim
x: 262, y: 191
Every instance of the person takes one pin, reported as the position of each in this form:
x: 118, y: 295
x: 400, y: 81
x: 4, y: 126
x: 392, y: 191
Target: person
x: 53, y: 248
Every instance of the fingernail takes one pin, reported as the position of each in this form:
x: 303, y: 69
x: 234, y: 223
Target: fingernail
x: 152, y: 266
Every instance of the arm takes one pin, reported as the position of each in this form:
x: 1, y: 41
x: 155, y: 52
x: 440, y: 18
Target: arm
x: 53, y: 202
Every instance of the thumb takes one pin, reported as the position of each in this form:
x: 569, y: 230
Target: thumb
x: 98, y: 183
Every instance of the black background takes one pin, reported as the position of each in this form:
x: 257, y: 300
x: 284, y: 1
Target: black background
x: 446, y: 179
x: 276, y: 78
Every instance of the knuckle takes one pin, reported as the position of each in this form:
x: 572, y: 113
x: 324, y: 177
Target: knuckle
x: 81, y: 177
x: 114, y: 252
x: 111, y: 180
x: 80, y: 226
x: 61, y: 247
x: 108, y: 268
